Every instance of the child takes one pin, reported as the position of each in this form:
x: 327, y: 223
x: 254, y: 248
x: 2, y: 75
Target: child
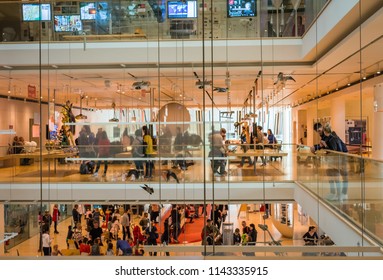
x: 109, y: 251
x: 56, y: 251
x: 69, y: 236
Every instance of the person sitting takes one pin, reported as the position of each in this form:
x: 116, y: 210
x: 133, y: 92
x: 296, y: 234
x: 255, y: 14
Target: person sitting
x: 311, y: 236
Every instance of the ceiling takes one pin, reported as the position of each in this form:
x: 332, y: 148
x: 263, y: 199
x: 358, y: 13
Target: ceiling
x: 101, y: 85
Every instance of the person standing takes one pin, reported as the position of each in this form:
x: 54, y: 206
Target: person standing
x: 46, y: 241
x: 144, y: 222
x: 152, y: 235
x: 217, y: 150
x: 245, y: 141
x: 165, y: 236
x: 55, y: 217
x: 155, y: 212
x: 76, y: 215
x: 125, y: 223
x: 96, y: 232
x: 148, y: 143
x: 237, y: 238
x: 103, y: 152
x: 47, y: 221
x: 138, y: 151
x: 337, y: 165
x: 258, y: 140
x: 209, y: 232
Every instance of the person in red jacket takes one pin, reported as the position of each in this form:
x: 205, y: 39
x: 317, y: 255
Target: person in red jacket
x: 103, y: 152
x: 138, y: 236
x: 55, y: 216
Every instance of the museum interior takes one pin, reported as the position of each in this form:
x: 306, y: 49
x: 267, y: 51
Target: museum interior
x: 175, y: 125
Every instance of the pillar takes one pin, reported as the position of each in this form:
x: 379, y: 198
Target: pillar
x: 377, y: 131
x: 338, y: 117
x: 302, y: 127
x: 311, y: 117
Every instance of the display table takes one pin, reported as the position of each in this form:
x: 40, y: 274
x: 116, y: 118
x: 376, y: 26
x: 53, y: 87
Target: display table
x: 45, y: 155
x: 258, y: 153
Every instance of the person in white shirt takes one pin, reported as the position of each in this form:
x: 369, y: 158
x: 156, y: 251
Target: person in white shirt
x: 46, y: 241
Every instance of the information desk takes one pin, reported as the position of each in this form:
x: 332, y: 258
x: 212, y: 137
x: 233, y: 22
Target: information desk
x: 259, y: 153
x: 106, y: 37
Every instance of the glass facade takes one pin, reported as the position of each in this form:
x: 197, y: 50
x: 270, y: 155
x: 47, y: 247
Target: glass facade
x: 81, y: 79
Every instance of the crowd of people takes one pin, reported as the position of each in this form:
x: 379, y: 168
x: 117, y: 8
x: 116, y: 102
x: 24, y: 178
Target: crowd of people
x: 115, y: 231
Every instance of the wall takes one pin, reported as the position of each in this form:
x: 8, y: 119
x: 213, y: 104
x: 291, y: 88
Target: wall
x: 18, y: 113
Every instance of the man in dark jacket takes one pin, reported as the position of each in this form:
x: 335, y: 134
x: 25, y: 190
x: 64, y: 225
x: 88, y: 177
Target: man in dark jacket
x: 337, y: 164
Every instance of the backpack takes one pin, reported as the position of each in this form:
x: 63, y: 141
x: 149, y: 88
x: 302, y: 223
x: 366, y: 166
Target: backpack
x: 87, y: 167
x: 83, y: 168
x: 342, y: 146
x: 138, y: 148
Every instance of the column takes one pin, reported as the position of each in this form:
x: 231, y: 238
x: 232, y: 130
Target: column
x: 311, y: 116
x: 2, y: 228
x: 377, y: 132
x: 338, y: 117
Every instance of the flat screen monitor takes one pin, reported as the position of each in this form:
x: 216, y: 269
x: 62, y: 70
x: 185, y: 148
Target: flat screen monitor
x: 241, y: 8
x: 31, y: 12
x: 68, y: 23
x: 88, y: 10
x: 182, y: 9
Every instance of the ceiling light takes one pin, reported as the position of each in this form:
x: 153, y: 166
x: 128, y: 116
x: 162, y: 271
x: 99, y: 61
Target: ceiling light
x: 348, y: 83
x: 337, y: 88
x: 7, y: 67
x: 54, y: 66
x: 114, y: 119
x: 81, y: 116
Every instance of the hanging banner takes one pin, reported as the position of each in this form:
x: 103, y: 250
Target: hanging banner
x: 32, y: 91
